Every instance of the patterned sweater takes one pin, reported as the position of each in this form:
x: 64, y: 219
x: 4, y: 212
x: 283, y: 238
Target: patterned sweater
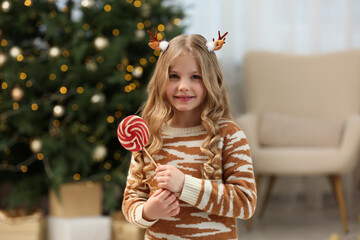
x: 207, y: 208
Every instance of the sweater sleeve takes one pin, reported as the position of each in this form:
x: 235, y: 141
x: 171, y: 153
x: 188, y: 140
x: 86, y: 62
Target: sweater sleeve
x: 236, y: 195
x: 134, y: 200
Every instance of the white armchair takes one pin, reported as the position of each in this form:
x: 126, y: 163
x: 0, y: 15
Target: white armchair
x: 303, y: 116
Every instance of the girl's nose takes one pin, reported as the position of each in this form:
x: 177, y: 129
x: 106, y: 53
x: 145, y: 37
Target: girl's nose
x: 184, y: 85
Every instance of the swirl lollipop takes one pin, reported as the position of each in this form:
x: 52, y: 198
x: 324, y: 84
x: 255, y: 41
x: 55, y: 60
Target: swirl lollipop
x: 133, y: 134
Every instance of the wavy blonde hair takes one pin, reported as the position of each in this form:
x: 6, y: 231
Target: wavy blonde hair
x: 156, y: 110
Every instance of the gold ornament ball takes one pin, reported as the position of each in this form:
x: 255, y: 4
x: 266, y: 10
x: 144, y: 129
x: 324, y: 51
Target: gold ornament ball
x: 36, y: 145
x: 17, y: 93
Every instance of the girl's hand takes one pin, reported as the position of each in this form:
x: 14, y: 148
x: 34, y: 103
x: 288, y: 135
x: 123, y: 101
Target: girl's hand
x: 162, y: 204
x: 170, y: 178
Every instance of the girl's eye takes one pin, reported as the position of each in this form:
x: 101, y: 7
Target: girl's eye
x: 173, y: 76
x: 196, y: 76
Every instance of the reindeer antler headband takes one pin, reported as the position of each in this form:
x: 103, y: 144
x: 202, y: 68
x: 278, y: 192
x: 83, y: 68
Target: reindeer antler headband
x: 163, y: 45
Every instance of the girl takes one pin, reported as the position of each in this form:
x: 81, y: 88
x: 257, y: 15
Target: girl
x: 204, y: 178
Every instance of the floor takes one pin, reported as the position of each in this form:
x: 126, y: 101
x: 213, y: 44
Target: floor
x: 281, y: 223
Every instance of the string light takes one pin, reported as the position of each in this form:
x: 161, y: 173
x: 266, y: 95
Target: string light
x: 40, y: 156
x: 132, y: 86
x: 140, y: 26
x: 152, y: 59
x: 63, y: 90
x: 64, y: 67
x: 137, y: 3
x: 147, y: 23
x: 4, y: 43
x: 34, y: 107
x: 143, y: 61
x: 4, y: 85
x: 52, y: 76
x: 24, y: 168
x: 107, y: 177
x: 128, y: 77
x: 90, y: 184
x: 22, y: 76
x: 107, y: 8
x: 15, y: 106
x: 127, y: 89
x: 66, y: 53
x: 129, y: 68
x: 80, y: 90
x: 115, y: 32
x: 99, y: 85
x: 107, y: 166
x: 28, y: 84
x: 118, y: 114
x: 161, y: 28
x: 28, y: 3
x: 85, y: 26
x: 20, y: 58
x: 110, y: 119
x: 76, y: 177
x: 75, y: 107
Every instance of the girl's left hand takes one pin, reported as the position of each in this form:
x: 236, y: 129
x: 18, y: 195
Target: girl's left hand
x: 170, y: 178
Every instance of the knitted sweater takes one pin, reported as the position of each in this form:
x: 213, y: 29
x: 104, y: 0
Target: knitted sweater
x: 207, y: 208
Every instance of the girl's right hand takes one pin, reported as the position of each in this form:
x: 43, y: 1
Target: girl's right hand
x: 162, y: 204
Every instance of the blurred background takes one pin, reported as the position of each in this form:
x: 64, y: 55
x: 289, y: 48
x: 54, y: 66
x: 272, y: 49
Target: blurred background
x: 71, y: 70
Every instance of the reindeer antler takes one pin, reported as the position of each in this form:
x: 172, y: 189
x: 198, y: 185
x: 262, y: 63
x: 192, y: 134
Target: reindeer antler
x: 220, y: 42
x: 155, y: 43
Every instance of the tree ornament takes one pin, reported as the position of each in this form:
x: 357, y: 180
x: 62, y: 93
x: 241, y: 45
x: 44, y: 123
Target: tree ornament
x: 98, y: 98
x: 15, y: 51
x: 3, y: 59
x: 139, y: 34
x: 17, y: 93
x: 5, y: 6
x: 146, y: 10
x: 101, y: 43
x: 54, y: 52
x: 91, y: 66
x: 99, y: 153
x: 137, y: 73
x: 87, y: 3
x: 36, y: 145
x: 58, y: 111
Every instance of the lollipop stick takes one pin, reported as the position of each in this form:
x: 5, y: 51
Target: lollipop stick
x: 152, y: 160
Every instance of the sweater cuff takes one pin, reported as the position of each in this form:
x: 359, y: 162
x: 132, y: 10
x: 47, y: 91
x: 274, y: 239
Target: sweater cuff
x: 191, y: 190
x: 139, y: 220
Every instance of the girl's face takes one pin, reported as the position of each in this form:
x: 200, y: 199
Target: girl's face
x: 185, y: 90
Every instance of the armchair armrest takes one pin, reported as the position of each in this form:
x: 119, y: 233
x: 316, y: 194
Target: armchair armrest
x: 350, y: 145
x: 248, y: 123
x: 351, y: 136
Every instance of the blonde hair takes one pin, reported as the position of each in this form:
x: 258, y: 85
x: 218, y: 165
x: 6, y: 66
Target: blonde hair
x: 156, y: 110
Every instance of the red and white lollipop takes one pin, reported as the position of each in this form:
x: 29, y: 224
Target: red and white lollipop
x: 133, y: 134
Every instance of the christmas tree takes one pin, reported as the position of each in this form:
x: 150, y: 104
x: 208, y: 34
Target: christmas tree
x: 70, y: 72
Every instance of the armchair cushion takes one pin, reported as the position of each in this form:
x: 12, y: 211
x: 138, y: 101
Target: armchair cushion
x: 280, y: 130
